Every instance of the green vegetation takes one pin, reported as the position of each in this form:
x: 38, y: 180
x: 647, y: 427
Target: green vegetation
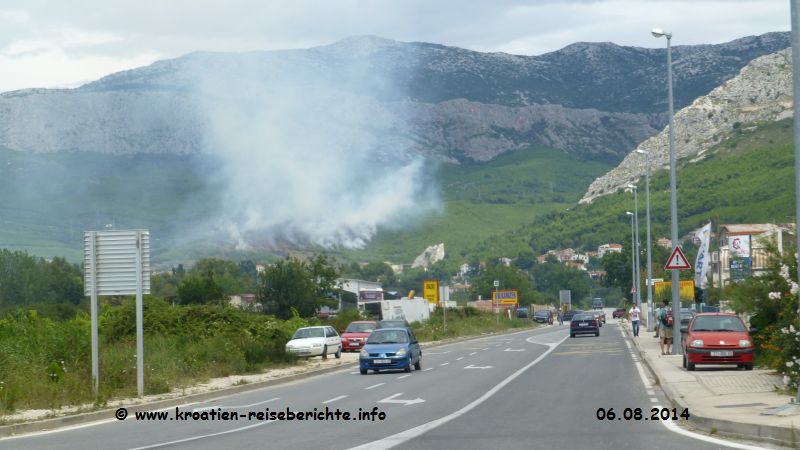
x: 748, y: 178
x: 465, y: 322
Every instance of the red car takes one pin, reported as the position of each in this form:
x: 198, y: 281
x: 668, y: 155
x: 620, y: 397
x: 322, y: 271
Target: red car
x: 356, y: 335
x: 618, y: 313
x: 717, y: 338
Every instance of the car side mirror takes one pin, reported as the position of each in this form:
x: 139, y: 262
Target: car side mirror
x: 753, y: 330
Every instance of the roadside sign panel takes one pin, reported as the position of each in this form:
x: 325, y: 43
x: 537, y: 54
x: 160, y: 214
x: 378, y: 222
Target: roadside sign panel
x: 111, y: 256
x: 506, y: 297
x: 430, y: 291
x: 662, y: 290
x: 677, y: 260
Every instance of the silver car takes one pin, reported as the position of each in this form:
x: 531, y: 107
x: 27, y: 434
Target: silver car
x: 315, y: 341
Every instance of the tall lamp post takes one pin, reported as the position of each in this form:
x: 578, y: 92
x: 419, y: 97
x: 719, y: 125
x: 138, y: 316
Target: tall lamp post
x: 796, y: 106
x: 636, y: 246
x: 633, y: 259
x: 673, y: 193
x: 650, y: 306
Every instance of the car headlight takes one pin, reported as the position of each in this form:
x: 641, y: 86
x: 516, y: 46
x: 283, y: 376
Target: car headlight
x: 363, y: 353
x: 744, y: 343
x: 698, y: 343
x: 316, y: 345
x: 401, y: 352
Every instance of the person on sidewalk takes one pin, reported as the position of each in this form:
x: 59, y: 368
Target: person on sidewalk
x: 634, y: 314
x: 666, y: 330
x: 561, y: 318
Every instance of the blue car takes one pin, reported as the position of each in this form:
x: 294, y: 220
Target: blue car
x: 390, y: 349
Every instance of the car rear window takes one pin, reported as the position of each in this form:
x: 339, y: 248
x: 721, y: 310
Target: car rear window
x: 360, y: 328
x: 388, y: 337
x: 717, y: 323
x: 304, y: 333
x: 582, y: 317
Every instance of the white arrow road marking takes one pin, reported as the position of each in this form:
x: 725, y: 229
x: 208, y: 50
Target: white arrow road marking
x: 407, y: 435
x: 514, y: 350
x: 394, y: 399
x: 477, y: 367
x: 334, y: 399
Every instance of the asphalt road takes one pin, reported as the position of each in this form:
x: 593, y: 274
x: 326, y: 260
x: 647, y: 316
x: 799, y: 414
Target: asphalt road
x: 536, y: 388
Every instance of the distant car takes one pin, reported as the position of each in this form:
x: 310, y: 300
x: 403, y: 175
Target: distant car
x: 717, y: 338
x: 584, y: 323
x: 602, y: 316
x: 598, y: 316
x: 543, y: 316
x: 686, y: 316
x: 315, y: 341
x: 709, y: 308
x: 568, y: 315
x: 597, y: 303
x: 522, y: 313
x: 356, y: 334
x: 390, y: 349
x: 618, y: 313
x: 401, y: 323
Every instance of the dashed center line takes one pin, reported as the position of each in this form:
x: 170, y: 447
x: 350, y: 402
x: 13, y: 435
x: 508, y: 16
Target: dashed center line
x: 444, y: 364
x: 373, y: 386
x: 472, y: 353
x: 653, y: 399
x: 334, y: 399
x: 403, y: 376
x: 459, y: 358
x: 429, y: 368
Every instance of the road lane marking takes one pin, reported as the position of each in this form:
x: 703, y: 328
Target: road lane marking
x: 438, y: 353
x: 487, y: 348
x: 334, y: 399
x: 477, y: 367
x: 472, y: 353
x: 459, y: 358
x: 355, y: 373
x: 651, y: 392
x: 403, y: 376
x: 653, y: 399
x: 394, y: 399
x: 207, y: 408
x: 194, y: 438
x: 373, y: 386
x: 429, y: 368
x: 405, y: 436
x: 514, y: 350
x: 444, y: 364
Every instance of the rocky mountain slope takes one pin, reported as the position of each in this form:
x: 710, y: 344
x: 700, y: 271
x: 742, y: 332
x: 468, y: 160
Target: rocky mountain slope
x: 595, y: 99
x: 762, y: 92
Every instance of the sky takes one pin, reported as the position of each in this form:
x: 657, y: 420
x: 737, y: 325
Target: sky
x: 65, y: 44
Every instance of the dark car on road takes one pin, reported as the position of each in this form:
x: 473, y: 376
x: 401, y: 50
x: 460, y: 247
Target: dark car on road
x: 522, y: 313
x: 584, y: 323
x: 390, y: 349
x: 543, y: 316
x: 686, y: 316
x: 618, y: 313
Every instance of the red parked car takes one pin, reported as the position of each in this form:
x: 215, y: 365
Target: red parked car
x: 717, y: 338
x: 618, y: 313
x: 356, y: 335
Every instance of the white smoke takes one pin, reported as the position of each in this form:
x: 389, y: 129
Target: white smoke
x: 307, y: 163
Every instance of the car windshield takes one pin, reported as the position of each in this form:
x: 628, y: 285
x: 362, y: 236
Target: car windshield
x: 392, y: 323
x: 717, y: 323
x: 388, y: 337
x: 360, y: 328
x: 304, y: 333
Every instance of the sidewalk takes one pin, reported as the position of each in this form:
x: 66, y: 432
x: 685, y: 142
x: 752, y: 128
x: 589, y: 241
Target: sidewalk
x: 721, y: 399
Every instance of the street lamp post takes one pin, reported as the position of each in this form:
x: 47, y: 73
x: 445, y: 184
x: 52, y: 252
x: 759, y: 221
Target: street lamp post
x: 673, y: 194
x: 636, y: 246
x: 796, y: 106
x: 633, y: 259
x: 650, y: 305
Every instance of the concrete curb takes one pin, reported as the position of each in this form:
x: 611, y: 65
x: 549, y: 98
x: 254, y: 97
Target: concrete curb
x: 108, y: 413
x: 748, y: 431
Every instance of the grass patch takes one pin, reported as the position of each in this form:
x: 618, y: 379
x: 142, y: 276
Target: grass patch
x: 466, y: 322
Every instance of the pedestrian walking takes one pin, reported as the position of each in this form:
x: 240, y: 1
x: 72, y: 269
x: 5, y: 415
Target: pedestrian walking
x: 560, y: 318
x: 666, y: 330
x: 634, y: 314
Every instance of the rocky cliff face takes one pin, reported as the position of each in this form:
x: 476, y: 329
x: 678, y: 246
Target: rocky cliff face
x: 596, y: 99
x: 762, y: 92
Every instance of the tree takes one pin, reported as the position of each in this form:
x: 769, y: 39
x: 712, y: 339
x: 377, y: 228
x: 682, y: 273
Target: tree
x: 551, y: 277
x: 618, y: 269
x: 200, y: 289
x: 509, y: 277
x: 293, y: 284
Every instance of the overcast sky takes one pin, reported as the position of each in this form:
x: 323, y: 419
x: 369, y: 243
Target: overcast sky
x: 64, y: 44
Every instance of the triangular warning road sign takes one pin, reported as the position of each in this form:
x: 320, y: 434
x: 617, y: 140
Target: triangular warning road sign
x: 677, y: 260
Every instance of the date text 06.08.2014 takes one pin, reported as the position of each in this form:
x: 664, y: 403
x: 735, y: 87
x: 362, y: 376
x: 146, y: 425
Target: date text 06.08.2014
x: 638, y: 414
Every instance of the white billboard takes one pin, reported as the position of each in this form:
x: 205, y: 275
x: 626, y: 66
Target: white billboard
x: 739, y: 246
x: 111, y: 258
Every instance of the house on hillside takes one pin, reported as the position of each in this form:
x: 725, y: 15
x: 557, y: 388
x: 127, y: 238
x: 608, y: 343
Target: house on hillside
x: 743, y: 250
x: 245, y: 301
x: 664, y: 242
x: 607, y: 248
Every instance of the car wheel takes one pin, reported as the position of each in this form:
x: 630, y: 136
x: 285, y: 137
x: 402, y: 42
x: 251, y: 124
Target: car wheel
x: 689, y: 366
x: 407, y: 368
x: 363, y: 371
x: 571, y: 335
x: 748, y: 366
x: 338, y: 353
x: 418, y: 364
x: 597, y: 334
x: 684, y: 360
x: 325, y: 352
